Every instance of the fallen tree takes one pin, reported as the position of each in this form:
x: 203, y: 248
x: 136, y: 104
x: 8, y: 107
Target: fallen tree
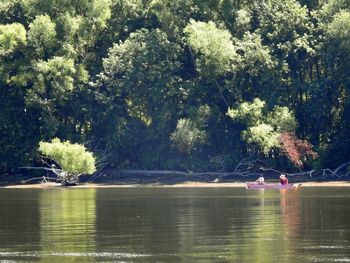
x: 245, y: 170
x: 70, y: 162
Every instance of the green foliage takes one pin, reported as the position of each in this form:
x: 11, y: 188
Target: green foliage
x: 12, y: 37
x: 72, y: 158
x: 337, y: 32
x: 331, y: 8
x: 11, y: 11
x: 42, y: 35
x: 213, y: 45
x: 130, y: 75
x: 248, y: 113
x: 254, y: 58
x: 57, y: 72
x: 99, y: 12
x: 142, y: 68
x: 202, y: 115
x: 282, y: 119
x: 242, y: 22
x: 263, y: 136
x: 190, y: 132
x: 187, y: 135
x: 263, y: 127
x: 285, y: 24
x: 173, y: 15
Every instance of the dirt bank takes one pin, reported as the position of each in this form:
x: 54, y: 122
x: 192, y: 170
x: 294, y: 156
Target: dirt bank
x: 186, y: 184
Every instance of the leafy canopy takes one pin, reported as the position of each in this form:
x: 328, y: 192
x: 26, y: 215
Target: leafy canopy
x: 262, y: 135
x: 190, y: 132
x: 12, y: 37
x: 142, y: 68
x: 263, y: 128
x: 42, y: 34
x: 213, y: 45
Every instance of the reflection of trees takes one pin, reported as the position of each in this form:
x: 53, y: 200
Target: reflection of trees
x: 191, y: 224
x: 19, y: 220
x: 266, y: 230
x: 138, y: 220
x: 67, y: 223
x: 325, y: 222
x: 212, y: 225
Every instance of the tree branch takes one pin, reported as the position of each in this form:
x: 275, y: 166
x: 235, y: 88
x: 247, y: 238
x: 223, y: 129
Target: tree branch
x: 221, y: 94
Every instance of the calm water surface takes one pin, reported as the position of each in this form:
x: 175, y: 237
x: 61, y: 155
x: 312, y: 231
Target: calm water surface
x: 175, y: 225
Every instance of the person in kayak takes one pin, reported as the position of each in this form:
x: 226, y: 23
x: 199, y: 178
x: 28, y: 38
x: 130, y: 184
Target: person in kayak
x: 283, y: 180
x: 260, y: 180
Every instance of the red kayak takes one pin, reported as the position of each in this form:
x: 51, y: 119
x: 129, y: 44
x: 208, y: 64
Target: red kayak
x: 271, y: 186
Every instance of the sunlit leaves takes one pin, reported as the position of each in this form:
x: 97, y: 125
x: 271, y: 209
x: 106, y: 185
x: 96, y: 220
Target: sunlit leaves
x: 42, y: 35
x: 187, y: 135
x: 248, y: 113
x: 190, y: 132
x: 78, y: 22
x: 254, y: 58
x: 331, y: 8
x: 99, y: 12
x: 338, y: 31
x: 263, y: 136
x: 73, y: 158
x: 282, y: 119
x: 138, y: 111
x: 213, y: 45
x: 173, y: 15
x: 242, y: 22
x: 12, y: 37
x: 70, y: 26
x: 58, y: 72
x: 285, y: 25
x: 263, y: 127
x: 164, y: 57
x: 10, y: 11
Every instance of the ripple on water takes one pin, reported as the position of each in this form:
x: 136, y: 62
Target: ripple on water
x: 114, y: 255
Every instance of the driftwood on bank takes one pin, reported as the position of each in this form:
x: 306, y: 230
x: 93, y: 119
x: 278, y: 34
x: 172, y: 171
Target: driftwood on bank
x: 244, y: 171
x: 54, y: 174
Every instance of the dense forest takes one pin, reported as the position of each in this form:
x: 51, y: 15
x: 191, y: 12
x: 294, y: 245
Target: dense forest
x: 188, y: 85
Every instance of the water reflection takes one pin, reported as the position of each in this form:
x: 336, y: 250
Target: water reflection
x: 19, y: 219
x: 175, y: 225
x: 67, y: 220
x: 196, y: 224
x: 324, y: 231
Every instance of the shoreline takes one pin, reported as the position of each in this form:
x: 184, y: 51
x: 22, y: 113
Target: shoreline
x: 159, y: 185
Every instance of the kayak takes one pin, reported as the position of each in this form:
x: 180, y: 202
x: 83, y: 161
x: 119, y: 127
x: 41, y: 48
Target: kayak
x: 271, y: 186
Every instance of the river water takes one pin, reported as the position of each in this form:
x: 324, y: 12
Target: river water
x: 175, y: 225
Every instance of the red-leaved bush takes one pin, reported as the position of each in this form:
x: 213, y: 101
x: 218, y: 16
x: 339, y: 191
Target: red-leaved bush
x: 296, y: 150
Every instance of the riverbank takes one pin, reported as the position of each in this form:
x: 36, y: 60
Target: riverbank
x: 178, y: 185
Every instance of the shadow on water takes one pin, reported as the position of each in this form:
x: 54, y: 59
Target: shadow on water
x: 19, y: 220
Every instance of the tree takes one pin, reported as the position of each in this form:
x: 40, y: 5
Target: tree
x: 12, y: 37
x: 73, y: 159
x: 42, y: 35
x: 213, y: 45
x: 140, y: 77
x: 190, y: 132
x: 296, y: 150
x: 272, y: 130
x: 129, y: 76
